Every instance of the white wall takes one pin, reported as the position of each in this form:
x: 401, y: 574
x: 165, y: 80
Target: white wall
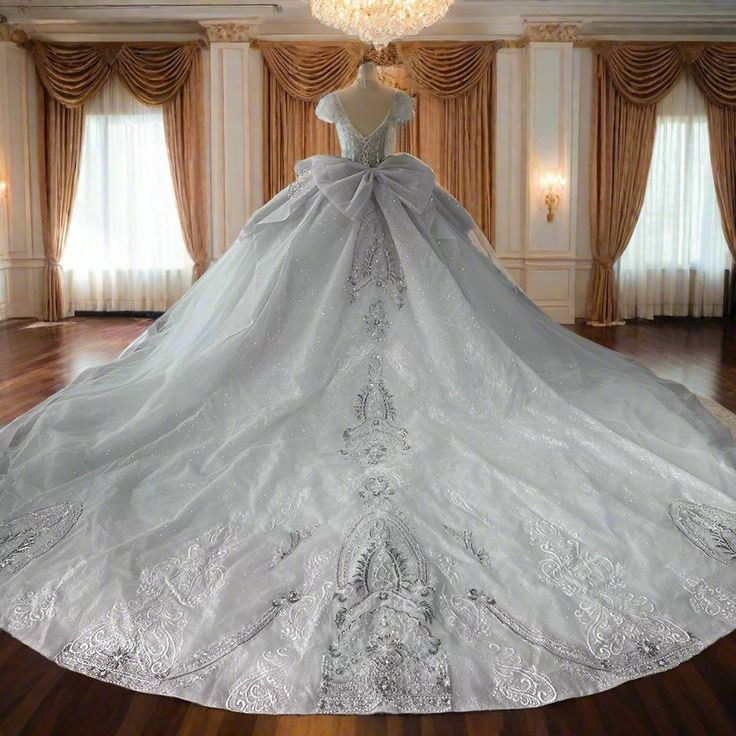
x: 543, y: 122
x: 21, y: 245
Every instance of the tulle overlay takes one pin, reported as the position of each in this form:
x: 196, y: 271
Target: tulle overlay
x: 354, y: 469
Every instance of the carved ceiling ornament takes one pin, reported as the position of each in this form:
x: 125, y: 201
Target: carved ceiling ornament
x: 13, y: 34
x: 228, y: 32
x: 551, y: 32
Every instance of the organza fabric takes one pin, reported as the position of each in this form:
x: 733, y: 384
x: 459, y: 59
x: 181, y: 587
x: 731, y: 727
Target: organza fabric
x: 354, y: 469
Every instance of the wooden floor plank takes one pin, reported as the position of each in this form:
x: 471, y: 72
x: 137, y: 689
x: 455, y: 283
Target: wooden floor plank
x: 37, y: 698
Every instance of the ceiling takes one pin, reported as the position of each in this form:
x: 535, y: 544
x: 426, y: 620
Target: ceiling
x: 159, y: 19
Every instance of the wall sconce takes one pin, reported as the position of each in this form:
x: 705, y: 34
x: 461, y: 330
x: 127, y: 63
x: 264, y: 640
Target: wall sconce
x: 552, y: 186
x: 3, y: 189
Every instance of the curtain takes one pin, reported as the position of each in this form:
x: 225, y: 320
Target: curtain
x: 125, y: 249
x: 71, y: 76
x: 631, y: 80
x: 674, y: 264
x: 59, y: 148
x: 184, y: 129
x: 453, y: 130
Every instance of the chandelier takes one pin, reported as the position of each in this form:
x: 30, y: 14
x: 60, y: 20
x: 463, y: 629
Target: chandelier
x: 379, y: 21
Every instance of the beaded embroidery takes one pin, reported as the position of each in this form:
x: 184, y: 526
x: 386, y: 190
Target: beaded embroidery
x: 376, y: 438
x: 711, y: 529
x: 26, y: 537
x: 384, y: 656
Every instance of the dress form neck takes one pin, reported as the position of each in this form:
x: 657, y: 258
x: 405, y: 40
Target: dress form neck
x: 366, y: 101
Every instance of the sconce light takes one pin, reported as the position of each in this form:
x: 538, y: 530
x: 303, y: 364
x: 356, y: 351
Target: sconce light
x: 3, y: 188
x: 552, y: 186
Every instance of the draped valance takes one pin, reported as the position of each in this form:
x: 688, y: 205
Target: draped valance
x: 453, y: 130
x: 645, y: 73
x: 73, y: 74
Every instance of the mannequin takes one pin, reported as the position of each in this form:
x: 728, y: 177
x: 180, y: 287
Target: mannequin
x: 366, y: 101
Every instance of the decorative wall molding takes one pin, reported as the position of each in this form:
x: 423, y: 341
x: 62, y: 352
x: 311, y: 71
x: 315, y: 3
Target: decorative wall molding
x: 230, y: 32
x: 551, y: 32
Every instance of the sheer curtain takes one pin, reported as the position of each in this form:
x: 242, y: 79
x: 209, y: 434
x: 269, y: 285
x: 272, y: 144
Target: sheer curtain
x: 125, y: 250
x: 675, y: 262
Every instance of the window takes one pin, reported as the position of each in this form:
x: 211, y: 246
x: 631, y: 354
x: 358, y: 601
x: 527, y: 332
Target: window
x: 675, y: 262
x: 125, y: 250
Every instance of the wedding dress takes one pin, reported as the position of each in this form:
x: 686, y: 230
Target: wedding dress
x: 354, y: 469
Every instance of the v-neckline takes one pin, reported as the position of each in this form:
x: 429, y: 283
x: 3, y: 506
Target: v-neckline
x: 377, y: 128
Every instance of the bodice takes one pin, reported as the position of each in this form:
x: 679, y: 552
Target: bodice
x: 367, y: 149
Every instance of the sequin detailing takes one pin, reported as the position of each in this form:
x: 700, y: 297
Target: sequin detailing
x: 26, y: 537
x: 137, y: 643
x: 711, y: 529
x: 384, y: 656
x: 377, y: 437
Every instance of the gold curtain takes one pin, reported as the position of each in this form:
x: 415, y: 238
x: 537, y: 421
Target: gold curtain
x: 59, y: 152
x: 453, y: 130
x: 184, y: 130
x: 70, y: 75
x: 631, y: 79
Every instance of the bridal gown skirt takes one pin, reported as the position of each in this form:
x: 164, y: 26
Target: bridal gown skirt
x: 355, y: 470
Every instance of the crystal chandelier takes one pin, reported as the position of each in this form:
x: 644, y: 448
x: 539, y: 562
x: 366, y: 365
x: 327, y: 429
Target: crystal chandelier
x: 379, y: 21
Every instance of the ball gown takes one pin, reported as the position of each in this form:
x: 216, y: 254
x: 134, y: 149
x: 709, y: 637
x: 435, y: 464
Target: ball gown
x: 354, y: 469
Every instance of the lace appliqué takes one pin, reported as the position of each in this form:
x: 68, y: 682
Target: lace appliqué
x: 514, y: 681
x: 465, y: 538
x: 137, y: 643
x: 209, y: 656
x: 296, y: 537
x: 709, y: 528
x: 384, y: 656
x: 376, y: 438
x: 30, y: 608
x: 26, y: 537
x: 717, y: 602
x: 623, y: 632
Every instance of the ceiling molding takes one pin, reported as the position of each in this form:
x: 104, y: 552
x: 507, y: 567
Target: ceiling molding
x: 513, y: 20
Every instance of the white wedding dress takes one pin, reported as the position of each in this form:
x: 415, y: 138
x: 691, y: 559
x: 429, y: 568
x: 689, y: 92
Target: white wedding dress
x: 355, y: 470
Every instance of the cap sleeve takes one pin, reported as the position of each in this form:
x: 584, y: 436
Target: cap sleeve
x: 404, y: 108
x: 326, y: 108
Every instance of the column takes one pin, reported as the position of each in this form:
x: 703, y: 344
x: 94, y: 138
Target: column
x: 235, y: 125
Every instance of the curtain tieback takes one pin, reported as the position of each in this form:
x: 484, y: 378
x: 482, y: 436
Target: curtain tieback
x: 52, y: 263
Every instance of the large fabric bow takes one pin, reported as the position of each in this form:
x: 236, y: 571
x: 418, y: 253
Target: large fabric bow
x: 348, y: 184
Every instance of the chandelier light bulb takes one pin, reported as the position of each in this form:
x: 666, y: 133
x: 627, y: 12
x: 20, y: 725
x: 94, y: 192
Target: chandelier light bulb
x: 378, y: 22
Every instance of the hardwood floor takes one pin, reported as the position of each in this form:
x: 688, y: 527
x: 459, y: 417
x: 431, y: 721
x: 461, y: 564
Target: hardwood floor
x: 39, y: 698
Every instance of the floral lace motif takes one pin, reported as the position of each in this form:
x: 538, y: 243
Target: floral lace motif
x: 711, y: 529
x: 26, y: 537
x: 717, y: 602
x: 137, y: 643
x: 30, y: 608
x: 623, y: 632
